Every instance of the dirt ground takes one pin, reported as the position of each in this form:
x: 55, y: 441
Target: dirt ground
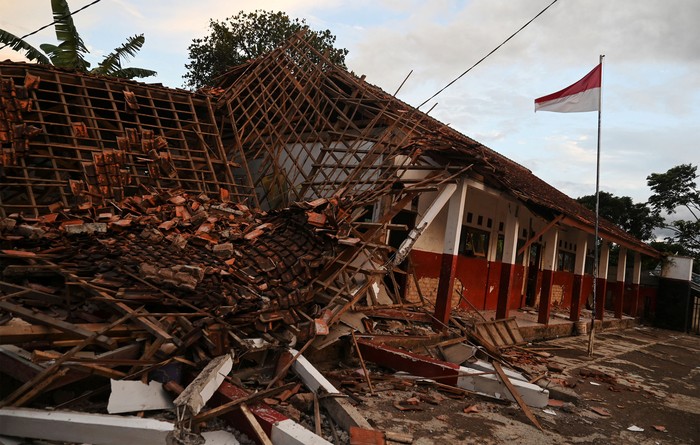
x: 640, y: 377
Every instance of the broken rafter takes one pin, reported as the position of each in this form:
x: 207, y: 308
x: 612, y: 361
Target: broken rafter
x: 29, y: 390
x: 63, y: 326
x: 234, y: 404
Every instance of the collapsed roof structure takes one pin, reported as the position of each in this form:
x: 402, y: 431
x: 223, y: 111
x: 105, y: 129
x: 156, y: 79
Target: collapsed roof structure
x: 200, y: 221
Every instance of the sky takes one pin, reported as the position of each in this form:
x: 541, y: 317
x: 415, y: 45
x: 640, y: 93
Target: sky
x: 651, y: 73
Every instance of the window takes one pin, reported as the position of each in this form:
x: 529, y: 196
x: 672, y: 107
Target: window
x: 520, y: 256
x: 565, y: 261
x: 500, y: 243
x: 473, y: 242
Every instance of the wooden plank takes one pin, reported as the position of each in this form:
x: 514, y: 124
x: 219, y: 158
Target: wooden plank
x: 27, y: 391
x: 30, y: 293
x: 498, y: 341
x: 15, y: 334
x: 61, y: 325
x: 261, y: 437
x: 235, y: 404
x: 484, y: 333
x: 504, y: 333
x: 516, y: 395
x: 150, y: 324
x: 512, y: 326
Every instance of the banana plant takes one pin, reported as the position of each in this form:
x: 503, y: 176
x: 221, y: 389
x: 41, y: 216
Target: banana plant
x: 71, y: 50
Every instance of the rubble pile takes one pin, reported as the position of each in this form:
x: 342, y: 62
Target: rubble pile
x: 193, y: 306
x: 155, y: 286
x: 235, y: 263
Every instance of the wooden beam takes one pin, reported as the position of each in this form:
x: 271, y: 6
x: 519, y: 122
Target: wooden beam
x: 516, y: 395
x: 61, y: 325
x: 27, y: 391
x: 641, y: 247
x: 260, y: 435
x: 537, y: 235
x: 16, y: 334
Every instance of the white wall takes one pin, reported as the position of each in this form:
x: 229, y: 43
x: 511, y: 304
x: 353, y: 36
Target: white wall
x: 677, y: 268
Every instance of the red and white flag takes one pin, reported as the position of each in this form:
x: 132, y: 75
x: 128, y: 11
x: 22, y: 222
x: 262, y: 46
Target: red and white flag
x: 584, y: 95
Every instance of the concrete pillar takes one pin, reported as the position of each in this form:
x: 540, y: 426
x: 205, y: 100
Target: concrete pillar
x: 619, y: 296
x: 453, y: 230
x: 510, y: 250
x: 549, y: 264
x: 636, y: 280
x: 579, y: 271
x: 602, y: 280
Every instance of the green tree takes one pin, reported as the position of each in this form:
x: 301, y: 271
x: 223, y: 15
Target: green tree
x: 636, y: 219
x: 677, y: 189
x: 246, y: 36
x: 71, y: 50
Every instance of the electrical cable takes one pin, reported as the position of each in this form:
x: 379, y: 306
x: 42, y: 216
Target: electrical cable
x: 52, y: 23
x: 487, y: 55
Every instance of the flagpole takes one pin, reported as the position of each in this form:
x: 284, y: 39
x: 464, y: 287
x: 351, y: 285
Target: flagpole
x: 591, y: 334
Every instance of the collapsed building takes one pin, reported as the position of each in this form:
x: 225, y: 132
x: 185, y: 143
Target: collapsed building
x: 159, y: 229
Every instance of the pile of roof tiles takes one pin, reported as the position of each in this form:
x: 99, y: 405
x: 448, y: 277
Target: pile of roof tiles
x: 192, y: 278
x: 14, y: 132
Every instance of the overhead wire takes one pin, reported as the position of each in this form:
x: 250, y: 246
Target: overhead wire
x: 54, y: 22
x: 487, y: 55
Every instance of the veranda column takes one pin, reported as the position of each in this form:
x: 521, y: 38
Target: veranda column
x: 510, y: 249
x: 579, y: 271
x: 602, y: 280
x: 636, y: 280
x: 453, y: 229
x: 549, y: 263
x: 619, y: 296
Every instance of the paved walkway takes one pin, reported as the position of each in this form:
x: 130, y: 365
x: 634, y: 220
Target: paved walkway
x: 637, y: 378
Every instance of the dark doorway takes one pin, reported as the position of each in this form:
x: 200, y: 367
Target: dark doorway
x: 533, y: 268
x: 396, y: 237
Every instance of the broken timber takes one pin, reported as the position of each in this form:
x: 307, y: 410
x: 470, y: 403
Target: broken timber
x: 449, y: 373
x: 340, y: 409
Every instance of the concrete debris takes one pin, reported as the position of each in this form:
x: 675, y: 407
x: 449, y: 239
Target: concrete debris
x: 219, y: 438
x: 70, y: 426
x: 129, y: 396
x: 200, y: 390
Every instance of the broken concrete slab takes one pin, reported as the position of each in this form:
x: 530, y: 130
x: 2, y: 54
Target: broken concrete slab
x: 484, y: 366
x: 75, y: 427
x: 197, y: 393
x: 458, y: 353
x: 288, y: 432
x: 219, y: 438
x: 133, y: 395
x: 340, y: 409
x: 476, y: 380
